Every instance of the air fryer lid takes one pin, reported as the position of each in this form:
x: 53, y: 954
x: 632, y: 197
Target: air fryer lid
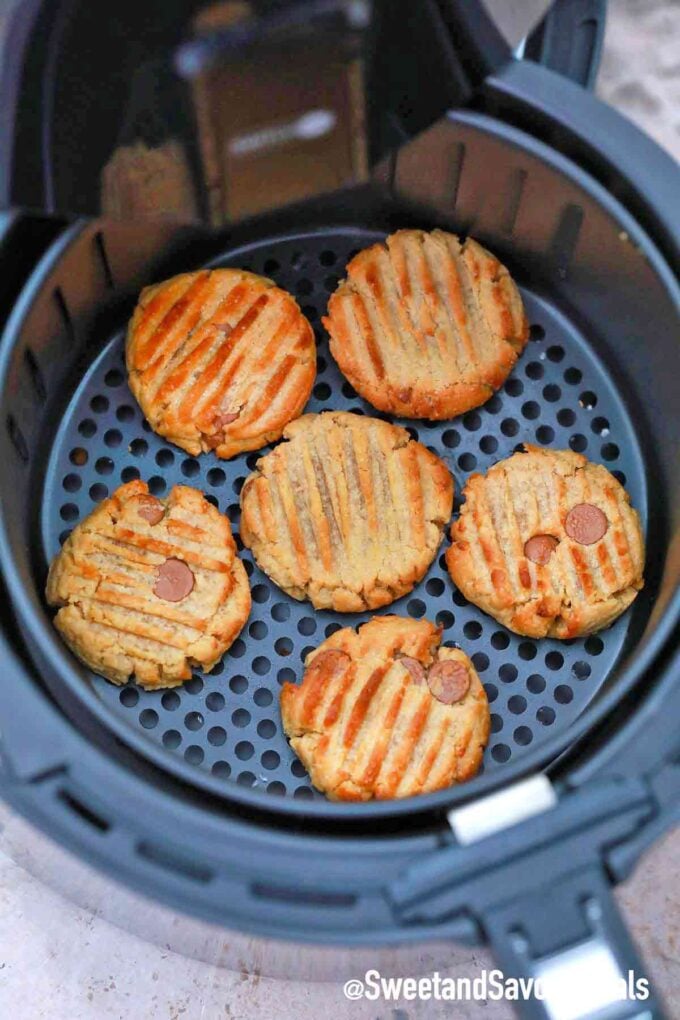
x: 199, y: 111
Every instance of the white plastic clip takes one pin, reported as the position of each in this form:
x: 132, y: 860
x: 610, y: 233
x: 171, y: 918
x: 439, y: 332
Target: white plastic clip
x: 502, y: 809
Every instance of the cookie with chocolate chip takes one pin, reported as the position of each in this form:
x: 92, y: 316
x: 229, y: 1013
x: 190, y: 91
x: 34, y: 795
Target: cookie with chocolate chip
x: 149, y: 587
x: 220, y: 359
x: 548, y: 544
x: 387, y: 711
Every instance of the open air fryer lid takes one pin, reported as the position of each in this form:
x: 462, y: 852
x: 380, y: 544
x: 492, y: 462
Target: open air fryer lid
x: 398, y: 872
x: 209, y: 112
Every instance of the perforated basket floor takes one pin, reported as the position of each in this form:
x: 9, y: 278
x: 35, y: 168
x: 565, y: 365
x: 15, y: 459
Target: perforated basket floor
x: 227, y: 723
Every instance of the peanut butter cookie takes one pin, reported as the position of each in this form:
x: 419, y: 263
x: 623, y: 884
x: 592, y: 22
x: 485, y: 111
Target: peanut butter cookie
x: 149, y: 587
x: 386, y: 711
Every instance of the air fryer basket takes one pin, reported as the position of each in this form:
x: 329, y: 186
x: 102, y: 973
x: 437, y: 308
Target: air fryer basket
x: 227, y: 723
x: 600, y: 305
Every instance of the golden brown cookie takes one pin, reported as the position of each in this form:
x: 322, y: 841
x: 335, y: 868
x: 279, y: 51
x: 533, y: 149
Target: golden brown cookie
x: 349, y: 513
x: 548, y: 544
x: 149, y: 587
x: 220, y: 359
x: 425, y: 326
x: 385, y: 712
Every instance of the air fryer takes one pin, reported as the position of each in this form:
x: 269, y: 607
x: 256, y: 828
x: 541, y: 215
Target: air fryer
x: 193, y: 795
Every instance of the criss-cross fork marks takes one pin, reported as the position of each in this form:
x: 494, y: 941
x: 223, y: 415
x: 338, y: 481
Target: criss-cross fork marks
x: 531, y: 494
x: 104, y: 579
x: 349, y: 513
x: 364, y: 729
x: 426, y: 326
x: 220, y: 359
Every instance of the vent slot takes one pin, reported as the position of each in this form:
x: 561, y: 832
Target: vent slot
x: 565, y: 239
x: 83, y: 811
x: 303, y: 897
x: 65, y: 313
x: 171, y: 862
x: 17, y: 438
x: 457, y: 172
x: 100, y: 248
x: 515, y: 193
x: 36, y: 375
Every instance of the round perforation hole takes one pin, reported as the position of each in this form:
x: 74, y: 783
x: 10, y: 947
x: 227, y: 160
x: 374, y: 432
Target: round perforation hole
x: 517, y: 704
x: 87, y: 428
x: 78, y: 456
x: 573, y: 376
x: 139, y: 447
x: 72, y: 483
x: 514, y: 387
x: 98, y: 492
x: 491, y: 692
x: 217, y: 736
x: 500, y: 753
x: 480, y: 660
x: 536, y: 683
x: 69, y: 512
x: 445, y: 619
x: 113, y: 438
x: 172, y: 739
x: 488, y: 444
x: 99, y: 404
x: 581, y: 670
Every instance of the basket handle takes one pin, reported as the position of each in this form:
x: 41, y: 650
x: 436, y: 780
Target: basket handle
x: 570, y: 939
x: 530, y: 864
x: 569, y: 40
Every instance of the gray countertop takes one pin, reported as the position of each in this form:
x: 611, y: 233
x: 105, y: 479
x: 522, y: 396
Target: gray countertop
x: 71, y: 953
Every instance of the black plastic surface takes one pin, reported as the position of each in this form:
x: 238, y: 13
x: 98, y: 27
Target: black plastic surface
x: 227, y: 723
x: 569, y: 39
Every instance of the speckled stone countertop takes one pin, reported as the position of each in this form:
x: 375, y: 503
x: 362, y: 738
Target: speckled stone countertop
x: 70, y: 954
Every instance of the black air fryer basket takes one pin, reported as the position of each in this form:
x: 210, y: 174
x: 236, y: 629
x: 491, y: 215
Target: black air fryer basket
x: 193, y: 795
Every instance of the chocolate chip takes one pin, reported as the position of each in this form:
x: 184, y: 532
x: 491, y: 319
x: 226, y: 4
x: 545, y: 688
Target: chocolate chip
x: 327, y: 665
x: 220, y: 420
x: 225, y: 418
x: 540, y: 548
x: 448, y: 680
x: 174, y: 582
x: 415, y: 668
x: 586, y: 524
x: 150, y: 509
